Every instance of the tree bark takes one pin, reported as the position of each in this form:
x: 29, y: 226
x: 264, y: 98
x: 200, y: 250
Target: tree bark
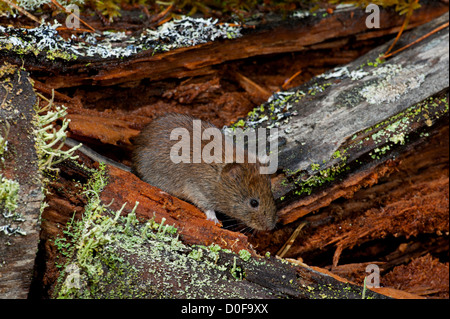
x: 344, y: 129
x: 19, y: 226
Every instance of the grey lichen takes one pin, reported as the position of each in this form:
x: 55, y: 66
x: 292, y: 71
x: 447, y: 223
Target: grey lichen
x: 9, y: 191
x: 182, y: 32
x: 273, y: 113
x: 393, y: 82
x: 387, y: 135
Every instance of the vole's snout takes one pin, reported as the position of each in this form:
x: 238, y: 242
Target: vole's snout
x: 265, y: 223
x: 271, y: 224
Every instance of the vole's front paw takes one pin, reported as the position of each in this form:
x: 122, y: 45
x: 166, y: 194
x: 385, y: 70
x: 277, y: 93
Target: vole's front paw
x: 211, y: 215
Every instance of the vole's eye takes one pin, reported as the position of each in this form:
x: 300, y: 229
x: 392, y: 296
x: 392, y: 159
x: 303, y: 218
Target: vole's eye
x: 254, y: 203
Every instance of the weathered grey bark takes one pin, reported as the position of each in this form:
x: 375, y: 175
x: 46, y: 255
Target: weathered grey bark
x: 353, y: 118
x: 19, y: 228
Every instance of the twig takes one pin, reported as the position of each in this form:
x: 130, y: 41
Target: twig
x: 70, y: 29
x: 164, y: 21
x: 445, y: 25
x: 23, y: 11
x: 405, y: 23
x: 252, y: 88
x: 363, y: 296
x: 76, y: 17
x: 286, y: 83
x: 144, y: 8
x: 162, y: 14
x: 288, y: 244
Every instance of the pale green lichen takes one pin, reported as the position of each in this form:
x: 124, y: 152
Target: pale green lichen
x: 107, y: 255
x: 9, y: 193
x: 395, y: 130
x: 49, y: 140
x: 113, y: 256
x: 9, y: 196
x: 322, y: 177
x: 245, y: 255
x: 4, y: 142
x: 385, y: 136
x: 155, y: 250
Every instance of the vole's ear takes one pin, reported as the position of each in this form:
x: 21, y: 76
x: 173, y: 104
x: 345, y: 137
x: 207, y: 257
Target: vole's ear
x: 232, y: 170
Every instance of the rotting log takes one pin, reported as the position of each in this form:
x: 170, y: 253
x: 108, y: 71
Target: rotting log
x: 401, y: 218
x: 281, y: 35
x: 349, y: 121
x: 21, y: 185
x: 200, y: 260
x: 133, y: 256
x: 119, y: 119
x: 191, y: 222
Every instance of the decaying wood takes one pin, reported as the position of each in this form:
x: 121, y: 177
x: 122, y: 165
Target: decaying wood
x: 277, y: 37
x: 408, y: 208
x: 348, y: 127
x: 19, y: 228
x: 194, y: 228
x: 174, y: 270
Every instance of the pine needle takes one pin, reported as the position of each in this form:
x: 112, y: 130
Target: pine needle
x: 288, y: 244
x: 68, y: 12
x: 405, y: 23
x: 21, y: 10
x: 445, y: 25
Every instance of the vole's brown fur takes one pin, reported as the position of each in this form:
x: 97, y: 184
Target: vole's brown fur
x: 225, y: 187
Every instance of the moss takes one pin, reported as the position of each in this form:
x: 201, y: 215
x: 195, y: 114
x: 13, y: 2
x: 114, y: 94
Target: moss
x: 245, y: 255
